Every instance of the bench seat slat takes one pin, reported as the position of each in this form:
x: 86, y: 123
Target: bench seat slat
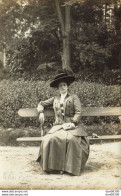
x: 29, y: 139
x: 86, y: 111
x: 37, y: 139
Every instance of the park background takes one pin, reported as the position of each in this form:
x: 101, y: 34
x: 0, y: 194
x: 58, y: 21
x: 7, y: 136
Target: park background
x: 40, y: 38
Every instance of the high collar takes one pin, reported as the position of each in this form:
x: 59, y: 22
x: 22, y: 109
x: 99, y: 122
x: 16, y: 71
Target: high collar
x: 63, y: 95
x: 67, y: 95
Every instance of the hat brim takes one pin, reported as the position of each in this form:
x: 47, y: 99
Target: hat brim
x: 67, y: 79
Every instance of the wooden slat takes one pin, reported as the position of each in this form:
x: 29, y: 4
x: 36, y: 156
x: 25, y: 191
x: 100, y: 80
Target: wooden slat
x: 86, y: 111
x: 101, y: 111
x: 106, y: 137
x: 38, y: 139
x: 28, y: 112
x: 32, y: 112
x: 29, y: 139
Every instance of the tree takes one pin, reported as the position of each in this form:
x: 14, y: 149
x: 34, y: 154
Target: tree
x: 65, y: 28
x: 39, y: 31
x: 21, y: 19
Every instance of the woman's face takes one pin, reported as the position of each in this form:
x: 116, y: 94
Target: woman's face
x: 62, y: 87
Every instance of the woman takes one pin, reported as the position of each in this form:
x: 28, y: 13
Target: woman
x: 65, y: 148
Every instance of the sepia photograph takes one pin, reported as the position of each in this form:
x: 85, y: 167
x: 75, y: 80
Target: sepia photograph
x: 60, y: 95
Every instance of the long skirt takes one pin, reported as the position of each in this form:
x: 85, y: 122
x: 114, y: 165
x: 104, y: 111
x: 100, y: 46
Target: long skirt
x: 64, y: 152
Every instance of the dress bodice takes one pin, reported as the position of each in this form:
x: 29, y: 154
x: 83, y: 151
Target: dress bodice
x: 59, y: 113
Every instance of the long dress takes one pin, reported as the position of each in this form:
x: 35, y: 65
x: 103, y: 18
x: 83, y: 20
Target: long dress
x: 64, y: 150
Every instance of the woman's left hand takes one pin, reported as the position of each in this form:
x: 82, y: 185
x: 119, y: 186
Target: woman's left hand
x: 67, y: 126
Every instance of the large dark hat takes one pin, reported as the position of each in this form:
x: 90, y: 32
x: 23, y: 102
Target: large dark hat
x: 62, y: 77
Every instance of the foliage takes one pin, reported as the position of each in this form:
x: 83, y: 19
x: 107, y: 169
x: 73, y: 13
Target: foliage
x: 47, y: 71
x: 11, y: 21
x: 32, y: 34
x: 4, y: 73
x: 94, y: 44
x: 33, y: 51
x: 1, y: 64
x: 22, y: 94
x: 9, y: 135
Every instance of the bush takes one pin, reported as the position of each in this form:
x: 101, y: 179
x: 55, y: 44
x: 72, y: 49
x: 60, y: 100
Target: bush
x: 23, y: 94
x: 20, y: 94
x: 9, y: 136
x: 96, y: 95
x: 48, y: 71
x: 4, y: 73
x: 1, y: 64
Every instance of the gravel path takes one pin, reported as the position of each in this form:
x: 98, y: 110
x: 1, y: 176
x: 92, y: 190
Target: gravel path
x: 19, y: 170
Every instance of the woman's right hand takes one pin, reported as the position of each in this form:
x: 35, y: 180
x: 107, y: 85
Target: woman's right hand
x: 67, y: 126
x: 40, y: 108
x: 41, y: 118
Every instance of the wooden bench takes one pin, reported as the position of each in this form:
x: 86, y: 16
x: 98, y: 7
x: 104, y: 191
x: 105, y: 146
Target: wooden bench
x: 86, y: 111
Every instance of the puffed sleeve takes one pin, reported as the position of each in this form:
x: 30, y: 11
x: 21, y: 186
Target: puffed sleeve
x: 46, y: 103
x: 77, y: 108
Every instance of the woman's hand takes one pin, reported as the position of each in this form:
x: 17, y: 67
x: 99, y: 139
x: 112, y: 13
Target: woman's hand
x: 41, y: 118
x: 40, y: 108
x: 67, y: 126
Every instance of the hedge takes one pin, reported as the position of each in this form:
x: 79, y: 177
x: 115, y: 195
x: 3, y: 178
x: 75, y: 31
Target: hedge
x: 21, y: 94
x: 9, y: 135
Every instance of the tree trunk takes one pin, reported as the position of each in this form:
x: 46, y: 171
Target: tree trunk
x: 66, y: 61
x: 4, y: 58
x: 65, y: 28
x: 66, y: 54
x: 120, y: 58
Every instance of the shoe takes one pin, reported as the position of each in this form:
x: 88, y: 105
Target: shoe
x: 61, y: 172
x: 42, y: 172
x: 53, y: 172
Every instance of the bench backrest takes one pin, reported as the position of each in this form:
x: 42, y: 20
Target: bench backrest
x: 86, y: 111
